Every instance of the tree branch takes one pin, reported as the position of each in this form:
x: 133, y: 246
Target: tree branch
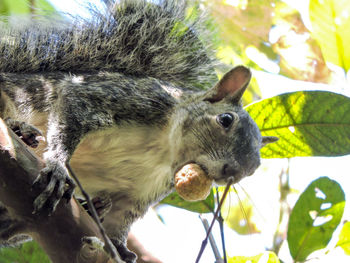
x: 60, y: 234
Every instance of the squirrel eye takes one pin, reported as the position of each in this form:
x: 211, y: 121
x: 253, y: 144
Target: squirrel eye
x: 225, y: 120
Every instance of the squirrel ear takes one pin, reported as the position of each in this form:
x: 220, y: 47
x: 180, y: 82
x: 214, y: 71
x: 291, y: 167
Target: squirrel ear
x: 231, y: 86
x: 268, y: 139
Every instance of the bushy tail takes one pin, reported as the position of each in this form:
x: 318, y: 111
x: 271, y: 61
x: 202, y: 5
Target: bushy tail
x: 144, y: 38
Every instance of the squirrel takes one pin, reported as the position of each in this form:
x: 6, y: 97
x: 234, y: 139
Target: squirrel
x: 127, y: 99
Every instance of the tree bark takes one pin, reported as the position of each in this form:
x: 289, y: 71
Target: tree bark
x: 60, y: 234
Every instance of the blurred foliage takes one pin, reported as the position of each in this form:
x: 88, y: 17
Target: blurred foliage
x: 331, y: 24
x: 300, y: 56
x: 266, y: 257
x: 239, y: 213
x: 25, y: 7
x: 268, y: 35
x: 29, y: 252
x: 344, y: 238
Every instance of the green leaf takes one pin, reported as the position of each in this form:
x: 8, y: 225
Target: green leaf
x: 344, y: 238
x: 267, y: 257
x: 308, y: 123
x: 17, y: 7
x: 205, y: 206
x: 3, y: 8
x: 330, y: 26
x: 314, y: 217
x: 10, y: 7
x: 29, y: 252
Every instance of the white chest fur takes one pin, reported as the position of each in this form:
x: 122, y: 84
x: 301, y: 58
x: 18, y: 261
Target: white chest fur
x: 132, y: 160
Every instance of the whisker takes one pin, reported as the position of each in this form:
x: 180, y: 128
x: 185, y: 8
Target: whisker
x: 252, y: 202
x: 243, y: 210
x: 203, y: 144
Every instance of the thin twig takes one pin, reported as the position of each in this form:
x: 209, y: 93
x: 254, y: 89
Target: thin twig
x: 109, y: 247
x: 205, y: 241
x: 213, y: 245
x: 221, y: 224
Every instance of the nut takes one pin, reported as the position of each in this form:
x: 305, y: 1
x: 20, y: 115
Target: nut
x: 192, y: 183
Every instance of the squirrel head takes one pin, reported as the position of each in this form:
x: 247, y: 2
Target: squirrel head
x: 213, y: 130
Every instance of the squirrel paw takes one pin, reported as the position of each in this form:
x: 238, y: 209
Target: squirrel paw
x: 124, y: 252
x: 56, y: 184
x: 102, y: 203
x: 28, y: 133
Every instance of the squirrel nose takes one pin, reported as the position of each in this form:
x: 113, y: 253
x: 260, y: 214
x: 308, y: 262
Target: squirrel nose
x: 228, y: 170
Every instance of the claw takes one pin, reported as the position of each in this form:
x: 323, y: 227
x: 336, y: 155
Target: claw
x: 40, y: 201
x: 40, y: 138
x: 28, y: 133
x: 56, y: 199
x: 55, y: 184
x: 38, y: 180
x: 68, y: 194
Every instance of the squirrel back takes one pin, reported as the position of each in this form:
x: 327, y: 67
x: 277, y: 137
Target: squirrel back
x: 125, y: 40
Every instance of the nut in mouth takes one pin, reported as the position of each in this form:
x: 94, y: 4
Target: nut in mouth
x: 192, y: 182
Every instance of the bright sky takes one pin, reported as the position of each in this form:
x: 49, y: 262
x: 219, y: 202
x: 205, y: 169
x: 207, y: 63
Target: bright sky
x: 75, y: 7
x: 179, y: 239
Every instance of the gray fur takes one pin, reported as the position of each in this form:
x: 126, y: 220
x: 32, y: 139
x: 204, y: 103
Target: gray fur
x: 138, y: 38
x: 118, y: 98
